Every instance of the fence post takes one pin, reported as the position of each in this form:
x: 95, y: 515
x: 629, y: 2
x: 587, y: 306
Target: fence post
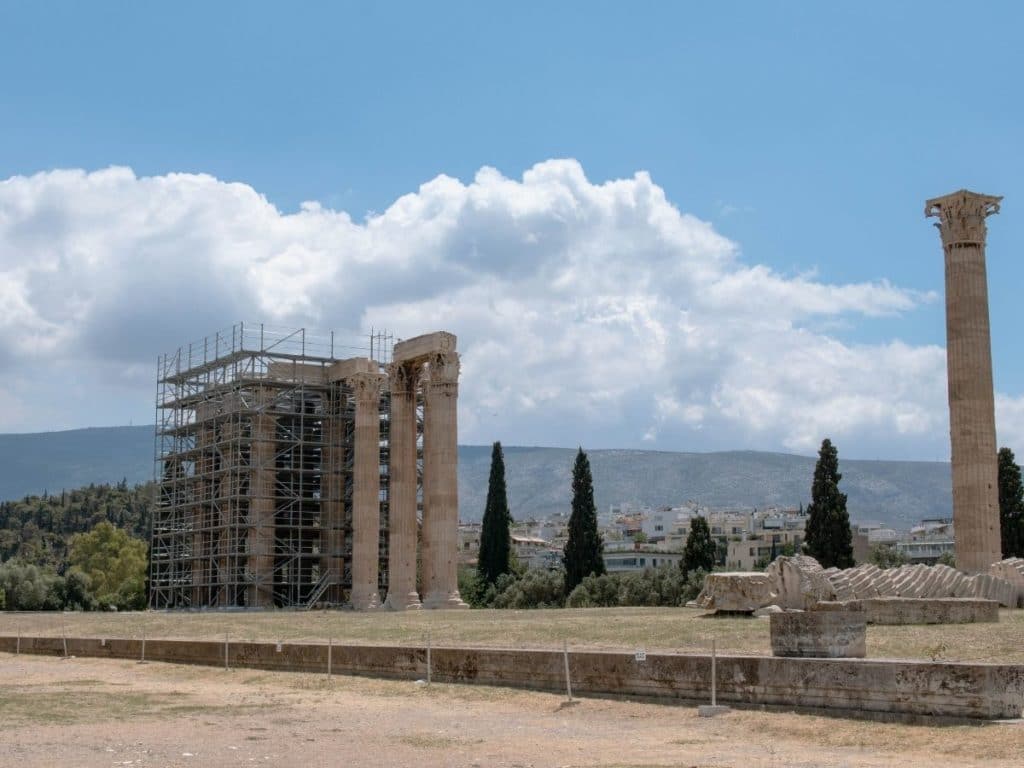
x: 64, y: 635
x: 142, y: 658
x: 568, y: 678
x: 17, y: 648
x: 330, y: 653
x: 225, y: 650
x: 428, y: 658
x: 714, y: 674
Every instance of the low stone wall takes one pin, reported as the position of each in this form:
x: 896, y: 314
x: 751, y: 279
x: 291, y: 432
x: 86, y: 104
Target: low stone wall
x: 935, y: 610
x: 839, y: 685
x: 819, y: 634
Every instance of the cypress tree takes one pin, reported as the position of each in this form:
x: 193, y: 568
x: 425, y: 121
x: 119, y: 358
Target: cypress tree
x: 699, y: 552
x: 494, y: 534
x: 584, y: 550
x: 828, y: 537
x: 1011, y: 505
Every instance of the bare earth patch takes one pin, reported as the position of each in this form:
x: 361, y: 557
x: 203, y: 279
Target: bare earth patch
x: 93, y: 712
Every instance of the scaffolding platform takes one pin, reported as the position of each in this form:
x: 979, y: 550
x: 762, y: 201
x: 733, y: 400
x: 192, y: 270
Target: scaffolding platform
x: 254, y: 448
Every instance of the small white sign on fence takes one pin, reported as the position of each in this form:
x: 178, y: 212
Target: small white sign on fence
x: 641, y: 655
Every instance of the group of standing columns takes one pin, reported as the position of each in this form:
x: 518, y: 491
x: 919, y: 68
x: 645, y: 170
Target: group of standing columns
x: 429, y: 364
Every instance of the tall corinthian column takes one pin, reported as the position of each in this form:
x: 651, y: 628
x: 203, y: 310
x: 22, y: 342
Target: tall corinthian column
x: 972, y: 426
x: 402, y: 594
x: 440, y: 482
x: 366, y: 491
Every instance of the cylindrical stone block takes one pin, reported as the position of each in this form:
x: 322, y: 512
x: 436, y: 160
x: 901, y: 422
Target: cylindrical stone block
x: 440, y: 483
x: 402, y: 594
x: 366, y: 491
x: 969, y: 369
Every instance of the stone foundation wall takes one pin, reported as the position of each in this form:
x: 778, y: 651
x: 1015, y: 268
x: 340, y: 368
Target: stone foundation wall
x: 819, y: 634
x: 841, y: 685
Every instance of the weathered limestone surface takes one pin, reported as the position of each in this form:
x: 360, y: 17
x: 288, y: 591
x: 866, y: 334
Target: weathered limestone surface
x: 440, y: 482
x: 346, y: 369
x: 744, y: 592
x: 972, y: 426
x: 402, y: 594
x: 920, y: 581
x: 366, y: 491
x: 1011, y: 570
x: 927, y: 610
x: 974, y: 690
x: 420, y: 347
x: 799, y: 582
x: 819, y: 634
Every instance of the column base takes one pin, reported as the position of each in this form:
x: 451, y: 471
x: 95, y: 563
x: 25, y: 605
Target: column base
x: 403, y: 602
x: 367, y: 600
x: 444, y: 600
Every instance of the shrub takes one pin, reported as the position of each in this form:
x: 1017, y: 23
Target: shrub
x: 595, y: 592
x: 536, y: 589
x: 30, y: 588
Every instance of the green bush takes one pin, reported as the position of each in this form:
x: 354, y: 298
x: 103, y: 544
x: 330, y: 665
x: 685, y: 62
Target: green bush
x: 664, y: 586
x: 536, y: 589
x: 28, y: 587
x: 595, y: 592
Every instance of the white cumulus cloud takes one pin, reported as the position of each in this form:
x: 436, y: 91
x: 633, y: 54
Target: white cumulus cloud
x: 593, y: 313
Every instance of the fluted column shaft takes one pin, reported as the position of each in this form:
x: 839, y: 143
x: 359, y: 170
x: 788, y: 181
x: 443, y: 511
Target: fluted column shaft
x: 366, y: 491
x: 402, y: 594
x: 440, y: 483
x: 969, y: 375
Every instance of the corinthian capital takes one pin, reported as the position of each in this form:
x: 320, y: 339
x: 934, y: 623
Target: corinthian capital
x: 962, y: 216
x: 444, y: 367
x: 366, y: 386
x: 403, y: 377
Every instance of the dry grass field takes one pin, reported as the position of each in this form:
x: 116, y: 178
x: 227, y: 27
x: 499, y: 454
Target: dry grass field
x: 667, y: 629
x: 93, y: 712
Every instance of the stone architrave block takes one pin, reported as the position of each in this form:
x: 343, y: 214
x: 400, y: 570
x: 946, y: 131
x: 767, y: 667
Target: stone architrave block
x: 418, y: 347
x: 819, y: 634
x: 740, y: 592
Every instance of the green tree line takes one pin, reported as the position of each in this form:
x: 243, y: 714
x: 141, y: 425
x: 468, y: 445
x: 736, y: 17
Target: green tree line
x: 82, y: 549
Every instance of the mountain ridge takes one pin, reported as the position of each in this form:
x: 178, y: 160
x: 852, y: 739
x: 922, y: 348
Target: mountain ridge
x: 897, y: 493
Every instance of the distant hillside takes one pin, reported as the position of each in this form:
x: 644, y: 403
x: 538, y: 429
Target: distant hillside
x: 896, y: 492
x: 51, y: 461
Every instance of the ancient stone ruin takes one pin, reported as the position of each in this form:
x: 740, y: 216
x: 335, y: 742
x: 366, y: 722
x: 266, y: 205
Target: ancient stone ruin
x: 800, y: 584
x: 290, y: 473
x: 972, y: 424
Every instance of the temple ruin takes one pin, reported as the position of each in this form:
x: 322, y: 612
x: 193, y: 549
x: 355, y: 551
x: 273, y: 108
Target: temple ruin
x: 294, y: 472
x: 972, y: 425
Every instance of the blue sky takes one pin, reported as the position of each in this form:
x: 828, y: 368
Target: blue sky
x: 807, y: 134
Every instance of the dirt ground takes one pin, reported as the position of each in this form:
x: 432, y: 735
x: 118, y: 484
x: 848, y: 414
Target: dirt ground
x: 92, y: 712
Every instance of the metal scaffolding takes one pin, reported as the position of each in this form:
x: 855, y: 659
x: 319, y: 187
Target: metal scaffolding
x: 254, y: 449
